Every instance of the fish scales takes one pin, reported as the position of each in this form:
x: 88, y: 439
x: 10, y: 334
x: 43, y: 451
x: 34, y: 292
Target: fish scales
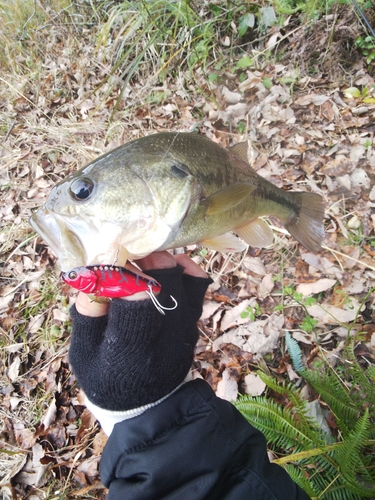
x: 168, y: 190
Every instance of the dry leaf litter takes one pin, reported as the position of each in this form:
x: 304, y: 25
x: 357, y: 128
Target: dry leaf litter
x: 315, y: 135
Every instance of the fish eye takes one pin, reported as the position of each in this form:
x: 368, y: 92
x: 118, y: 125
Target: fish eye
x: 179, y: 170
x: 81, y: 189
x: 72, y: 275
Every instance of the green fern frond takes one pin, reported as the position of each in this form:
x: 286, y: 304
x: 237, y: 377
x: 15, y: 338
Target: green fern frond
x: 349, y: 453
x: 325, y: 469
x: 295, y: 353
x: 299, y: 477
x: 276, y: 423
x: 364, y: 379
x: 350, y: 457
x: 332, y: 391
x: 299, y: 404
x: 338, y: 399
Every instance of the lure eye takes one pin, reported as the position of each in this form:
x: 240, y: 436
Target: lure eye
x: 81, y: 189
x: 72, y: 275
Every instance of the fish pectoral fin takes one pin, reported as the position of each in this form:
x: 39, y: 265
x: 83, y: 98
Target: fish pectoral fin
x: 228, y: 197
x: 256, y: 233
x: 240, y: 150
x: 224, y: 243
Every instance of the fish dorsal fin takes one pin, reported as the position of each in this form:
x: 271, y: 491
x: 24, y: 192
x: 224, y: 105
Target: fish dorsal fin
x: 240, y: 150
x: 228, y: 197
x: 256, y: 234
x: 224, y: 243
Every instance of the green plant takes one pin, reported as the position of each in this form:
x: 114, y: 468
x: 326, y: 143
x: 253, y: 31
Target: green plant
x: 311, y: 9
x: 308, y: 324
x: 335, y: 465
x: 157, y: 38
x: 364, y: 95
x: 251, y: 312
x: 367, y: 46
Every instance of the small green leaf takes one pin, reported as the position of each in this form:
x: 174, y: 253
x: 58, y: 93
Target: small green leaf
x: 352, y: 93
x: 244, y: 62
x: 309, y: 301
x: 267, y: 82
x: 241, y: 127
x: 246, y: 21
x: 267, y: 16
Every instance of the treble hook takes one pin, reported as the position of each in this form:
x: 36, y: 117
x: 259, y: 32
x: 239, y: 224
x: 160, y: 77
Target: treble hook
x: 157, y: 304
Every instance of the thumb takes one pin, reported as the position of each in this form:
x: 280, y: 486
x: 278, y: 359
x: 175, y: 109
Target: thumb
x: 88, y: 307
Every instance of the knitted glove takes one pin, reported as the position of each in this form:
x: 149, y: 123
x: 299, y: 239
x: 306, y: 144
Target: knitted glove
x: 135, y: 356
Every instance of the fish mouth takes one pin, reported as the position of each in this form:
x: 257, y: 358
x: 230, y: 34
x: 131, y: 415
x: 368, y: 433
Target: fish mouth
x: 65, y: 244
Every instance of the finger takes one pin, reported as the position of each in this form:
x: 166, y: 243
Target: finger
x: 139, y: 296
x: 190, y: 267
x: 156, y: 260
x: 86, y: 306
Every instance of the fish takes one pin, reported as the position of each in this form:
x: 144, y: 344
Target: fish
x: 170, y: 190
x: 109, y: 281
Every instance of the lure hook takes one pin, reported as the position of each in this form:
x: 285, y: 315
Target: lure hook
x: 157, y: 304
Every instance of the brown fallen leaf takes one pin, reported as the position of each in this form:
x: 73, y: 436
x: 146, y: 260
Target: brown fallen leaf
x: 25, y: 438
x: 328, y: 111
x: 253, y: 385
x: 318, y: 286
x: 316, y: 99
x: 338, y: 166
x: 99, y: 442
x: 227, y: 388
x: 369, y: 249
x: 87, y: 423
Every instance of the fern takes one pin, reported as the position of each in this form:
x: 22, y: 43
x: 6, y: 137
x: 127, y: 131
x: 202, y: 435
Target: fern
x: 299, y: 404
x: 364, y: 379
x: 295, y: 353
x: 350, y: 454
x: 331, y: 391
x: 276, y: 423
x: 337, y: 467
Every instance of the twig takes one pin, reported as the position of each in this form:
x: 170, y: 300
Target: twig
x: 348, y: 257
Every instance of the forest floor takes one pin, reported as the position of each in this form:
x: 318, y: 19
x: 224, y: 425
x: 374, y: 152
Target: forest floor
x: 308, y: 111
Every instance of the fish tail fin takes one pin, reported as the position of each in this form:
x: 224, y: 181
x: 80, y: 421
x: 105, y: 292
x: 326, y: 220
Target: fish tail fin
x: 307, y: 226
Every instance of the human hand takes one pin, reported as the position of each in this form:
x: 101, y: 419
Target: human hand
x: 125, y: 354
x: 157, y: 260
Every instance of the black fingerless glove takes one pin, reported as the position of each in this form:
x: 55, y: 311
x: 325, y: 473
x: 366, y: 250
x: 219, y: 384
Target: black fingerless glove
x: 135, y: 356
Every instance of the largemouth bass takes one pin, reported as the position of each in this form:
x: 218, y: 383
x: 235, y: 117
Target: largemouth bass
x: 166, y: 191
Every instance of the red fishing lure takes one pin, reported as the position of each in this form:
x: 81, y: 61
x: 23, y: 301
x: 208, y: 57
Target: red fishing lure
x: 109, y: 281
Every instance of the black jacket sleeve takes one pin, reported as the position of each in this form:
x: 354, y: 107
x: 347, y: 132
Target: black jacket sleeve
x: 193, y: 445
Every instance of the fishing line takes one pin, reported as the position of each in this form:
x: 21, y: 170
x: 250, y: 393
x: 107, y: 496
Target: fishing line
x: 171, y: 144
x: 364, y: 18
